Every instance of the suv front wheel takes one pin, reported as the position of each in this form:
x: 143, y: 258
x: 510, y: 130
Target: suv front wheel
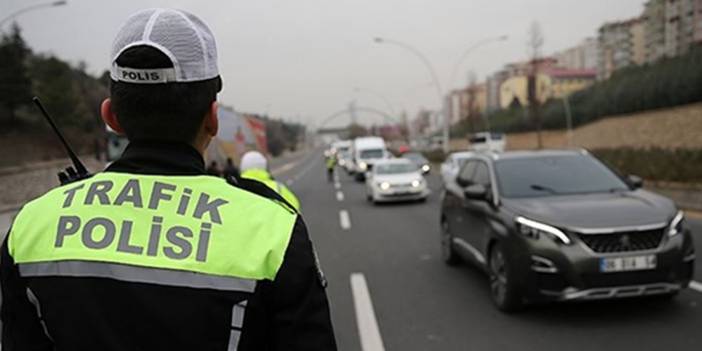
x: 503, y: 290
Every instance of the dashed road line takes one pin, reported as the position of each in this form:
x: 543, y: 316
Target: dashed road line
x: 337, y: 185
x: 344, y: 220
x: 299, y: 175
x: 365, y: 315
x: 696, y: 286
x: 284, y: 168
x: 339, y: 196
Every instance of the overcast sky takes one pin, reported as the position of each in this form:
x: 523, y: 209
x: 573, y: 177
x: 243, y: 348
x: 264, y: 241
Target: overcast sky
x: 305, y: 57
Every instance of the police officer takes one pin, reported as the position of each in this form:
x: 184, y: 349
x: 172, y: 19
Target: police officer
x: 255, y: 166
x: 153, y: 254
x: 330, y: 163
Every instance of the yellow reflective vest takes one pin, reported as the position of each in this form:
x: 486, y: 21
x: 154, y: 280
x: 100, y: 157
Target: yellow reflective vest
x: 195, y: 224
x: 265, y: 178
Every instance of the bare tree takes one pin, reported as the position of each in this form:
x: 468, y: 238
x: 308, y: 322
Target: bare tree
x: 470, y: 103
x: 534, y: 44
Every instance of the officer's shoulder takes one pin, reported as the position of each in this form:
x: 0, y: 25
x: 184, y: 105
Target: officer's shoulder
x: 258, y: 188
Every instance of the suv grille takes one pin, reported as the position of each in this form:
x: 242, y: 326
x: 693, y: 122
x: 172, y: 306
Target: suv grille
x: 623, y: 242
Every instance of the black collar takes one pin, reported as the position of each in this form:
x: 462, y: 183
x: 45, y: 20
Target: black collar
x: 159, y: 158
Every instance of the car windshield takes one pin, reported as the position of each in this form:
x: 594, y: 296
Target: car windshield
x: 477, y: 139
x: 395, y: 168
x: 372, y: 153
x: 417, y: 158
x: 555, y: 175
x: 461, y: 161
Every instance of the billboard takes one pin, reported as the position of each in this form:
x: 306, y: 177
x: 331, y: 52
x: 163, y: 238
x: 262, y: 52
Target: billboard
x: 237, y: 134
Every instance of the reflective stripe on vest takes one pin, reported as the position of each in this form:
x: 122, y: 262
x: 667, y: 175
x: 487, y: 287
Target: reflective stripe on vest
x: 196, y: 224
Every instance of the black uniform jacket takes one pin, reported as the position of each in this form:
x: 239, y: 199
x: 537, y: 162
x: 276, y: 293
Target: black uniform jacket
x: 78, y: 313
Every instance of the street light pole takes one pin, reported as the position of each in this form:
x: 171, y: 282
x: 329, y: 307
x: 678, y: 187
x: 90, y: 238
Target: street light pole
x: 386, y: 101
x: 569, y: 120
x: 437, y: 84
x: 31, y: 8
x: 454, y: 72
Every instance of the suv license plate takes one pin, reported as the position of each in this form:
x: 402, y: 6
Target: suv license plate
x: 631, y: 263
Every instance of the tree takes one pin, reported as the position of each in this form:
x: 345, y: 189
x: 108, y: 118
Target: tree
x: 15, y: 85
x: 535, y: 42
x: 55, y: 84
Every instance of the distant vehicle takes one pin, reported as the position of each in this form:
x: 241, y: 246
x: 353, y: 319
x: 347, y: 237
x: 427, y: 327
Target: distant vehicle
x: 396, y: 179
x: 487, y: 142
x: 453, y: 163
x: 561, y: 226
x: 342, y: 150
x: 365, y: 151
x: 419, y: 160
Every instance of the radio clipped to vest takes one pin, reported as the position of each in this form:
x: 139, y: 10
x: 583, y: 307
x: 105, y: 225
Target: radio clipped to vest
x: 70, y: 174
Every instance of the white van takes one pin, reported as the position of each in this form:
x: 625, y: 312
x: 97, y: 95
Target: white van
x: 364, y: 152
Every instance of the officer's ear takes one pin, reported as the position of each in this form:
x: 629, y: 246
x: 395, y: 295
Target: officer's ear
x: 211, y: 120
x: 109, y: 117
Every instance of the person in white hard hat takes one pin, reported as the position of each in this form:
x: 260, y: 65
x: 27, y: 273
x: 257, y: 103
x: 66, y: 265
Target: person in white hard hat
x: 255, y: 166
x: 154, y: 254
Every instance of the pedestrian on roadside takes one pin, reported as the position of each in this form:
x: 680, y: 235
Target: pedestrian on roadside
x: 213, y: 169
x: 230, y: 170
x: 151, y: 254
x: 255, y: 166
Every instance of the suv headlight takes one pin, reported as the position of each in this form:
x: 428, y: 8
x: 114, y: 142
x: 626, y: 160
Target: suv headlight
x: 416, y: 183
x: 384, y: 185
x: 426, y: 168
x: 676, y: 225
x: 535, y: 230
x: 362, y: 165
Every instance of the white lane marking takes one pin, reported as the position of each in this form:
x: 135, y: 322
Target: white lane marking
x: 344, y: 220
x: 339, y: 196
x: 337, y: 185
x: 284, y: 168
x: 310, y: 165
x: 365, y: 315
x: 696, y: 286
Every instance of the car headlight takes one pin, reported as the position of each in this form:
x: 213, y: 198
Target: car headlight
x: 416, y: 183
x: 384, y: 185
x: 535, y: 230
x: 676, y: 225
x: 342, y: 162
x: 426, y: 168
x: 363, y: 166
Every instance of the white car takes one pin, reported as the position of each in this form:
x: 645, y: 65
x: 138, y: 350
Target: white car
x: 396, y: 179
x: 485, y: 141
x: 453, y: 164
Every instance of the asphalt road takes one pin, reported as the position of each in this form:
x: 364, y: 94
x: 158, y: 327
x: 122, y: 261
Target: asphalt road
x: 404, y: 298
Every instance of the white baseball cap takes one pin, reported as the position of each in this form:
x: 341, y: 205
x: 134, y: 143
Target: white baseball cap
x: 253, y: 160
x: 180, y: 35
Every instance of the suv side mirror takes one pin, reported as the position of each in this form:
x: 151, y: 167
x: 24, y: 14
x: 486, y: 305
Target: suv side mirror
x: 462, y: 181
x: 635, y: 181
x: 476, y: 192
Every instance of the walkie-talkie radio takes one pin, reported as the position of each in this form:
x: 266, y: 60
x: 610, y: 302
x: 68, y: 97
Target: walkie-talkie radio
x: 70, y: 174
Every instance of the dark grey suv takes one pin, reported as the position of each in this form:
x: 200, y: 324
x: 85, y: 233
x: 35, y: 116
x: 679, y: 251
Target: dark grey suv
x: 560, y: 226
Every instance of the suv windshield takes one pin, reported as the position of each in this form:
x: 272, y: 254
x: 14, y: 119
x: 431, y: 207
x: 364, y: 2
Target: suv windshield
x: 372, y: 153
x: 395, y: 168
x: 555, y: 175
